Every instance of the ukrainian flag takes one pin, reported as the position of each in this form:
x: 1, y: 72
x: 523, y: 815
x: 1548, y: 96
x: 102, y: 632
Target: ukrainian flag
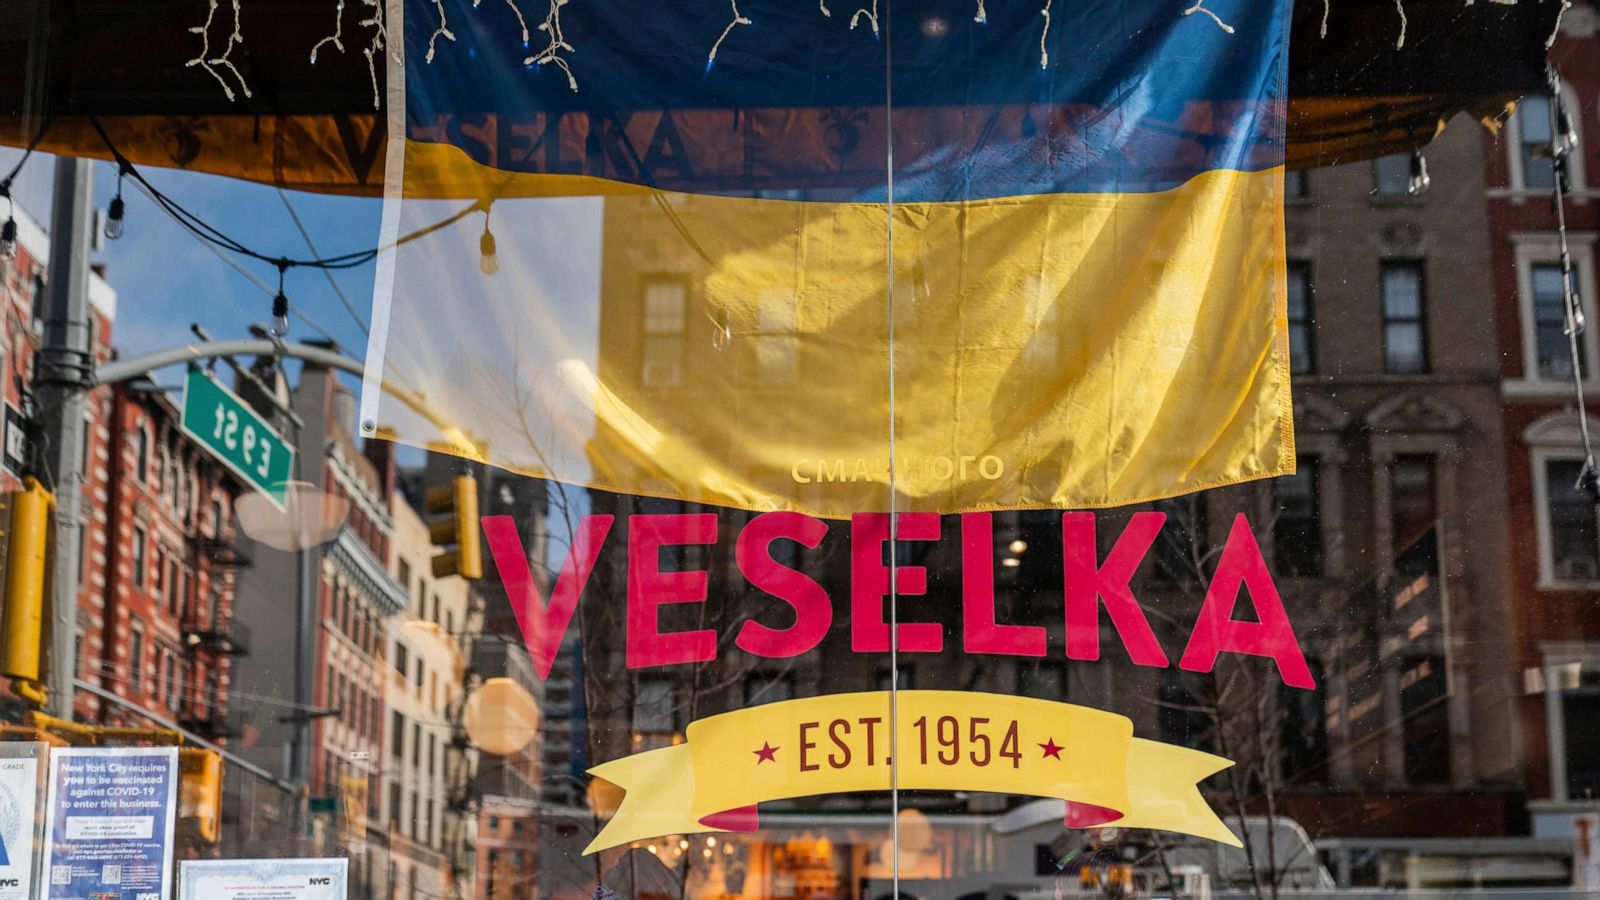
x: 786, y: 254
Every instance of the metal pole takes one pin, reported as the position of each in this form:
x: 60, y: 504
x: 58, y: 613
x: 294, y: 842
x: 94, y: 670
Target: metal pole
x: 65, y: 365
x: 305, y: 655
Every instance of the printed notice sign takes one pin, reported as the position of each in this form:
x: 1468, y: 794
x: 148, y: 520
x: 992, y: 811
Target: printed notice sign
x: 263, y: 879
x: 109, y: 823
x: 19, y: 825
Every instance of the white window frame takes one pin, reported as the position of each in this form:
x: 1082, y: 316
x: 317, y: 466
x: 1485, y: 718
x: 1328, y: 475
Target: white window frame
x: 1536, y: 249
x: 1553, y: 438
x: 1514, y: 147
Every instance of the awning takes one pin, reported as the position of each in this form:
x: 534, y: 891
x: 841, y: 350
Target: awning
x: 1356, y: 89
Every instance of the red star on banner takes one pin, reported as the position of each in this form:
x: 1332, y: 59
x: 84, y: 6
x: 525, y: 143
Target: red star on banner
x: 765, y: 754
x: 1050, y: 749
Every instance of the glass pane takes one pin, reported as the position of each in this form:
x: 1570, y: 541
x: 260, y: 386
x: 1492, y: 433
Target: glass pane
x: 795, y: 450
x: 1402, y: 345
x: 1402, y: 290
x: 1550, y: 323
x: 1391, y: 175
x: 1574, y: 537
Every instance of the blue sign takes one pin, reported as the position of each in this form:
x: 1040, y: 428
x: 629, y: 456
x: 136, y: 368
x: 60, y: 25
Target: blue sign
x: 108, y: 831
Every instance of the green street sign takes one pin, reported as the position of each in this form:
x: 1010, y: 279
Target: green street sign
x: 236, y: 435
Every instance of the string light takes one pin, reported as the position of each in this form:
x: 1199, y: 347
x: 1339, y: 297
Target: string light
x: 1561, y: 146
x: 442, y: 31
x: 743, y: 20
x: 488, y: 258
x: 206, y: 61
x: 1419, y: 175
x: 823, y: 5
x: 338, y: 32
x: 1044, y: 55
x: 8, y: 230
x: 116, y: 211
x: 280, y: 304
x: 1401, y: 6
x: 1556, y: 30
x: 982, y: 15
x: 235, y: 38
x: 1325, y: 9
x: 379, y: 35
x: 1199, y: 6
x: 558, y: 42
x: 520, y: 20
x: 872, y: 17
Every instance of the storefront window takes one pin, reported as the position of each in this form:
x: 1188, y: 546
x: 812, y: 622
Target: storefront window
x: 894, y: 451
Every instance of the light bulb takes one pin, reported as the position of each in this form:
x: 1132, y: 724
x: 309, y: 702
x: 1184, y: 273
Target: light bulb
x: 280, y: 314
x: 1419, y: 175
x: 488, y: 259
x: 8, y: 239
x: 1019, y: 546
x: 114, y: 217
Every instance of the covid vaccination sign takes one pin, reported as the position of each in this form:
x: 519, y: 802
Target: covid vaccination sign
x: 109, y: 823
x: 263, y: 879
x: 19, y: 825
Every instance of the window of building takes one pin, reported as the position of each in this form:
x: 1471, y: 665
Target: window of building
x: 136, y: 658
x: 1528, y: 142
x: 775, y: 344
x: 1297, y: 524
x: 416, y: 743
x: 1574, y: 538
x: 1554, y: 354
x: 1391, y: 175
x: 1424, y: 714
x: 1546, y: 353
x: 1305, y: 733
x: 1180, y: 545
x: 768, y: 687
x: 136, y: 555
x: 86, y: 451
x: 141, y: 451
x: 397, y: 730
x: 1413, y: 506
x: 1405, y: 338
x: 1533, y: 142
x: 1302, y: 320
x: 402, y: 658
x: 653, y: 714
x: 1183, y: 718
x: 1295, y: 185
x: 665, y: 324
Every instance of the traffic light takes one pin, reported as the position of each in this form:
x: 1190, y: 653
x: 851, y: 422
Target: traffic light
x: 456, y: 529
x: 200, y: 790
x: 27, y: 555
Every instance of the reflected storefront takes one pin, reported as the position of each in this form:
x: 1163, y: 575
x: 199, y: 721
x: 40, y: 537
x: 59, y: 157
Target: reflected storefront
x: 919, y: 450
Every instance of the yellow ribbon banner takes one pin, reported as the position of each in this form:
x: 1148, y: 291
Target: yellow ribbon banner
x: 945, y: 740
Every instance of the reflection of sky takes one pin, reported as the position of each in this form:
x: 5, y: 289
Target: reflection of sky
x: 487, y: 350
x: 165, y: 279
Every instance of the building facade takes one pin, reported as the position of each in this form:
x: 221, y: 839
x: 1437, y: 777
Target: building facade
x: 1555, y: 547
x: 424, y: 765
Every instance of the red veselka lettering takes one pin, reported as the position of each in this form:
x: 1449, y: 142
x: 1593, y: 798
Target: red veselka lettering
x: 1088, y: 584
